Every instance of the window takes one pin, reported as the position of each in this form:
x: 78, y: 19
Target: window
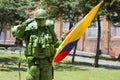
x: 93, y: 30
x: 66, y: 26
x: 117, y: 30
x: 3, y: 35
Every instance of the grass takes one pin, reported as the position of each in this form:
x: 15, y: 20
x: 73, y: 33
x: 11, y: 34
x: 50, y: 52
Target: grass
x: 63, y: 71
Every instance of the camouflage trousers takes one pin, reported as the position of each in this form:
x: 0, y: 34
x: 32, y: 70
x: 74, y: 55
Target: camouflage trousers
x: 39, y: 69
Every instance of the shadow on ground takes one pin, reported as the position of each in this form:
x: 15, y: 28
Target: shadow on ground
x: 67, y: 66
x: 11, y: 64
x: 8, y: 69
x: 77, y: 63
x: 9, y: 60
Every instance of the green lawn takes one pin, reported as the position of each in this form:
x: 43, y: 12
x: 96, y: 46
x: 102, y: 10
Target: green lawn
x: 63, y: 71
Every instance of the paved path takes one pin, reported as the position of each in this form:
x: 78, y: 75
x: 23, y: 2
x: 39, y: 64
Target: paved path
x: 12, y: 50
x: 85, y: 57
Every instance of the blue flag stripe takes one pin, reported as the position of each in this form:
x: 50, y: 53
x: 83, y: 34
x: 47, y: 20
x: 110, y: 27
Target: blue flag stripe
x: 70, y: 46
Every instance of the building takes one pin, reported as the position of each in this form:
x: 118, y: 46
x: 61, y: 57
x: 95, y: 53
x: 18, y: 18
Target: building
x: 110, y: 37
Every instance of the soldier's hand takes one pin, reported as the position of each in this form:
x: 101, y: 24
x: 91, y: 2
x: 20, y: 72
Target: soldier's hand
x: 29, y: 20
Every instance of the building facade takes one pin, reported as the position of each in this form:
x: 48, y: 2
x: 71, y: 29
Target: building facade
x: 110, y: 36
x: 109, y: 43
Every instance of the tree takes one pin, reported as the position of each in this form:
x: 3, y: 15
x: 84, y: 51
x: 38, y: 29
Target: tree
x: 71, y: 10
x: 65, y: 9
x: 13, y: 11
x: 110, y: 9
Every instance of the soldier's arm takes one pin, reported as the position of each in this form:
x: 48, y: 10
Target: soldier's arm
x: 19, y: 30
x: 59, y: 41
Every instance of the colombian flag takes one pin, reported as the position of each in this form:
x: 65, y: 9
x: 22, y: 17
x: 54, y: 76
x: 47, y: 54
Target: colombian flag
x: 73, y: 37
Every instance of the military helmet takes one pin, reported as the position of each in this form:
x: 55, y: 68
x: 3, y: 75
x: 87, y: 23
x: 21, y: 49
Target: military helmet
x: 40, y: 13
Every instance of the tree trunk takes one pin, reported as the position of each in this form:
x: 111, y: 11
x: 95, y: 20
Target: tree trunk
x: 98, y: 51
x: 73, y: 57
x: 0, y: 28
x: 74, y: 51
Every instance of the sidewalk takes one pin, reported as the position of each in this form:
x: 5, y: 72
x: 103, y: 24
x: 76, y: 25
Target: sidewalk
x: 12, y: 50
x: 88, y: 57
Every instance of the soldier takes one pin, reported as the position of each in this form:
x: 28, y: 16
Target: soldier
x: 41, y: 41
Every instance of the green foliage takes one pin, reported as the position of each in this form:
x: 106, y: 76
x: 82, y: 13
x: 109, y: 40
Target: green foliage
x: 113, y: 10
x: 36, y: 0
x: 13, y: 11
x: 72, y: 9
x: 109, y: 8
x: 65, y: 9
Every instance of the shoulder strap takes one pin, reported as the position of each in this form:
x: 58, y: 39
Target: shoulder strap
x: 51, y: 30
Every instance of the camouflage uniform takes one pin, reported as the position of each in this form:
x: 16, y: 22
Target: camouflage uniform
x: 40, y: 45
